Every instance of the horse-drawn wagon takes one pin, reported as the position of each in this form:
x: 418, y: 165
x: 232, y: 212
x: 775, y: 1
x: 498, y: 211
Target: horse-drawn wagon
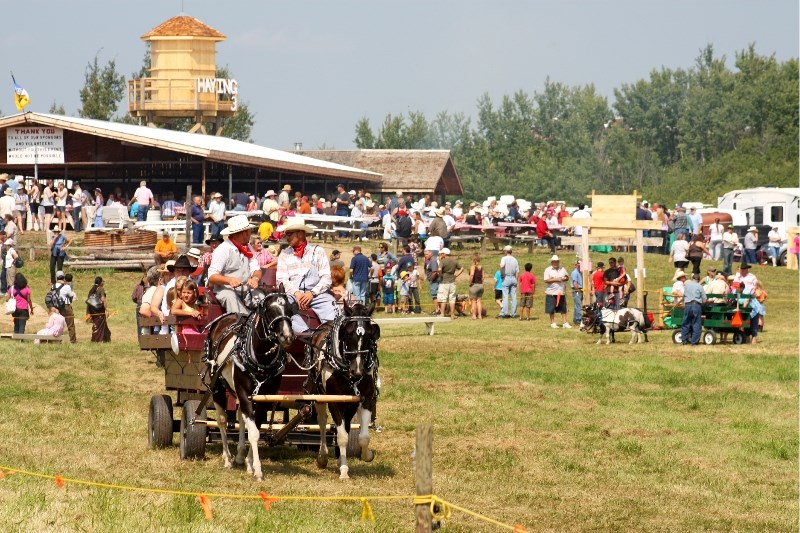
x: 719, y: 320
x: 188, y: 375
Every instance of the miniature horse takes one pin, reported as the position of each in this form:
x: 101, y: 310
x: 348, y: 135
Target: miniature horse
x: 608, y: 321
x: 250, y: 352
x: 346, y: 363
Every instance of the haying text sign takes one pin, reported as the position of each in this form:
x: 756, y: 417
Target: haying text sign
x: 28, y: 145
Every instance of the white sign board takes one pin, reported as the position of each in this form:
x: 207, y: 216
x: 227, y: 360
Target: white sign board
x: 27, y: 145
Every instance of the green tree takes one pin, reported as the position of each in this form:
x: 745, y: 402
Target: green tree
x: 102, y: 92
x: 57, y: 109
x: 365, y: 138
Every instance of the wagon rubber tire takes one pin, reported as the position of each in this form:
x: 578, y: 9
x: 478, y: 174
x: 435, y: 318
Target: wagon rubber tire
x: 353, y: 447
x: 709, y: 338
x: 192, y: 436
x: 159, y: 422
x: 738, y: 337
x: 677, y: 338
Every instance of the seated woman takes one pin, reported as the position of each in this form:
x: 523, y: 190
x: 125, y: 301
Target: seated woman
x: 186, y: 305
x: 55, y: 324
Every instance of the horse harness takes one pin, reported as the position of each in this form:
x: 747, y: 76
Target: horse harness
x: 244, y: 357
x: 337, y: 356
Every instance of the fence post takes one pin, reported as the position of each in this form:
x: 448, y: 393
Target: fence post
x: 423, y: 474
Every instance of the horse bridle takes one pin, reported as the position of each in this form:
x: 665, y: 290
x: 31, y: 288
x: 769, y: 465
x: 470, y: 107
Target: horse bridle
x: 268, y: 328
x: 339, y: 358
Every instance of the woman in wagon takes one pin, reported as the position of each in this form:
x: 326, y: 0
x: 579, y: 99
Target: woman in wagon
x: 234, y: 267
x: 305, y: 273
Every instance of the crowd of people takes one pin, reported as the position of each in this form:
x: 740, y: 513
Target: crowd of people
x: 239, y: 253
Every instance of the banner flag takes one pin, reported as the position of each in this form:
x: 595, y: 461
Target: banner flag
x: 21, y: 98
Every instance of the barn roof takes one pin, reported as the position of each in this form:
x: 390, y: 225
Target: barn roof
x: 412, y: 171
x: 209, y: 147
x: 183, y: 26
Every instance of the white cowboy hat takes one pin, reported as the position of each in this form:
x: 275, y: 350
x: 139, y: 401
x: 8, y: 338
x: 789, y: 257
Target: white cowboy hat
x: 296, y: 224
x: 554, y: 258
x: 270, y: 193
x: 752, y: 228
x: 679, y: 274
x: 236, y: 224
x: 194, y: 252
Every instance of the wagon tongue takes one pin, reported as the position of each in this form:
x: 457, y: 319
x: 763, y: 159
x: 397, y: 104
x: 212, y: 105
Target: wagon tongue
x: 302, y: 414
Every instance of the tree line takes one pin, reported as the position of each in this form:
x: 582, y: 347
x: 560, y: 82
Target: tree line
x: 680, y: 135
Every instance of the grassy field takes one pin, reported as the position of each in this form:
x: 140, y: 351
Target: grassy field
x: 531, y: 425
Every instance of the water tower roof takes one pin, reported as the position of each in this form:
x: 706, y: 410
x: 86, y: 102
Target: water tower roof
x: 183, y: 26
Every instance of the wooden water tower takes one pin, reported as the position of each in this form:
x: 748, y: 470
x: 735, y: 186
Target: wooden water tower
x: 183, y: 82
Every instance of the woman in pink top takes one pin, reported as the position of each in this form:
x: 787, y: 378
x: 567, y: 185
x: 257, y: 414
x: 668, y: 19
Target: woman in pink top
x: 55, y: 324
x: 22, y: 294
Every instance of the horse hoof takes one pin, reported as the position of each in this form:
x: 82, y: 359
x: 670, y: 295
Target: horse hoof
x: 259, y: 477
x: 322, y: 462
x: 367, y: 455
x: 343, y: 474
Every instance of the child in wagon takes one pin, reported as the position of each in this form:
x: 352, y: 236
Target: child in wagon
x: 55, y: 324
x: 186, y: 305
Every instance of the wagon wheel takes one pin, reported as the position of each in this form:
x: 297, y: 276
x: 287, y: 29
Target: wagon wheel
x: 709, y: 337
x: 677, y: 338
x: 159, y: 422
x: 192, y: 436
x: 353, y: 447
x: 738, y: 337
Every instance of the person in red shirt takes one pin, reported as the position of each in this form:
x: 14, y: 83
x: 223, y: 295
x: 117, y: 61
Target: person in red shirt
x: 544, y: 233
x: 599, y: 284
x: 527, y: 287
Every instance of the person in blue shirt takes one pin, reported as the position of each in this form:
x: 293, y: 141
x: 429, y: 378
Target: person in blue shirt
x: 388, y: 288
x: 498, y: 288
x: 197, y: 214
x: 576, y: 283
x: 359, y: 274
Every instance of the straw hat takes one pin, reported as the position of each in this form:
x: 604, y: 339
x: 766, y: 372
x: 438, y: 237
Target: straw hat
x: 236, y: 224
x: 678, y: 275
x: 752, y: 228
x: 287, y: 187
x: 166, y: 266
x: 296, y: 224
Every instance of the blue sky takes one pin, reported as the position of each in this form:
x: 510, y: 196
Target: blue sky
x: 309, y: 70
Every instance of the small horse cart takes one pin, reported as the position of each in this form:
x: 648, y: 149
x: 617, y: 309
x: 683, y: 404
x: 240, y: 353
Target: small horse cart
x: 718, y: 320
x: 186, y: 375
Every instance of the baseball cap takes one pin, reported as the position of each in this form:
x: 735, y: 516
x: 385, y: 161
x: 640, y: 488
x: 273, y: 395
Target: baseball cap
x: 59, y: 274
x: 445, y: 251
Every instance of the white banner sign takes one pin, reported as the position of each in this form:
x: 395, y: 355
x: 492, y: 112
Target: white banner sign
x: 35, y: 144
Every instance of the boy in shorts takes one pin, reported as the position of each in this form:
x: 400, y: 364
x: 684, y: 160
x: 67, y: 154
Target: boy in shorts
x: 527, y: 287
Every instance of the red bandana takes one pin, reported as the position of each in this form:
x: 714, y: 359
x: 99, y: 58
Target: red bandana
x: 244, y: 250
x: 300, y: 249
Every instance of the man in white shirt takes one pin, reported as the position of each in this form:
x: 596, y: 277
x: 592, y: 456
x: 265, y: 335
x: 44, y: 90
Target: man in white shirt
x: 305, y: 272
x: 216, y: 208
x: 581, y: 213
x: 283, y: 197
x: 233, y: 264
x: 774, y: 248
x: 697, y: 221
x: 555, y: 277
x: 271, y: 207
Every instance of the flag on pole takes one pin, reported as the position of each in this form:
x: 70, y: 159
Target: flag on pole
x: 21, y: 98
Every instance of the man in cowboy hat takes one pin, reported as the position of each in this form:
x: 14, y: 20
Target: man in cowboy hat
x: 216, y: 211
x: 750, y: 245
x: 679, y: 280
x: 555, y: 300
x: 283, y: 197
x: 233, y: 264
x: 305, y: 273
x: 270, y: 206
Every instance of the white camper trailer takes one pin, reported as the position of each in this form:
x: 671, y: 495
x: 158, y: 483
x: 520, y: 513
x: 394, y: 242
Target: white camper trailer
x: 766, y: 205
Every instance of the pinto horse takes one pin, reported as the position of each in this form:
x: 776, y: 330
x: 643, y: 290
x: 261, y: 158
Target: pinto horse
x: 597, y: 318
x: 346, y: 363
x: 248, y: 353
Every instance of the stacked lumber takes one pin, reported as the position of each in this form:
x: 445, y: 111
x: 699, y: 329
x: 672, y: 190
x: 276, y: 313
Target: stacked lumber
x: 113, y: 260
x: 105, y: 237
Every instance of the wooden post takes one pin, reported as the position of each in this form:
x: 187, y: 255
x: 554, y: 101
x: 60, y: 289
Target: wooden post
x: 188, y: 207
x: 640, y: 268
x: 423, y: 474
x: 586, y: 270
